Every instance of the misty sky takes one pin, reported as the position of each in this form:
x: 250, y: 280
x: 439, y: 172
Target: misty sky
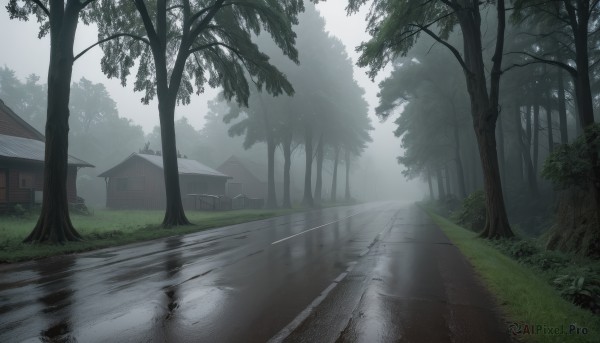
x: 26, y: 54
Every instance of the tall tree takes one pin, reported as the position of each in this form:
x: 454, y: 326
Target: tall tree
x: 259, y: 124
x: 59, y: 18
x: 574, y: 24
x: 395, y: 27
x: 434, y: 112
x: 176, y: 42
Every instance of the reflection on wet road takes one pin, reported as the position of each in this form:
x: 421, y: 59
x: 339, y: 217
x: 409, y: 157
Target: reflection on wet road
x: 365, y: 273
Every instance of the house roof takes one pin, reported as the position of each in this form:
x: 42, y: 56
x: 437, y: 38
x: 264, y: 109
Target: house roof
x: 239, y: 169
x: 186, y: 166
x: 30, y: 150
x: 13, y: 115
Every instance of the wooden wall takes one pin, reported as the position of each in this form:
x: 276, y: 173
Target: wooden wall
x: 152, y: 194
x: 18, y: 195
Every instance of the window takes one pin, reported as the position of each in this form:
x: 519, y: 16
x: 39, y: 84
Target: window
x: 26, y: 180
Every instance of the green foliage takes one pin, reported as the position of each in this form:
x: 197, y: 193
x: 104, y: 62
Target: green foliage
x: 191, y: 44
x: 578, y: 281
x: 335, y: 107
x: 569, y: 165
x: 525, y: 295
x: 582, y: 289
x: 472, y: 214
x: 522, y: 249
x: 395, y: 26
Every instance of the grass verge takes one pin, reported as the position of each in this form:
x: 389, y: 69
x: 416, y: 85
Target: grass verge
x: 524, y: 296
x: 112, y: 228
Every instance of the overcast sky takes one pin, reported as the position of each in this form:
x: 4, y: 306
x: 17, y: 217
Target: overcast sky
x: 26, y: 54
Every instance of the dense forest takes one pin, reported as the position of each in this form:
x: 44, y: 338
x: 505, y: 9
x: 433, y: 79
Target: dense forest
x: 545, y: 130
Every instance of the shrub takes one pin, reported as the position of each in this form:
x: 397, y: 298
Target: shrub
x: 547, y: 260
x: 522, y: 249
x: 472, y: 214
x: 582, y: 289
x: 569, y: 164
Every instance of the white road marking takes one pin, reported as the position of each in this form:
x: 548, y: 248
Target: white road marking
x: 288, y: 329
x: 314, y: 228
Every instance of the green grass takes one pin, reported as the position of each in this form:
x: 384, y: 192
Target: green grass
x: 107, y: 228
x: 524, y: 296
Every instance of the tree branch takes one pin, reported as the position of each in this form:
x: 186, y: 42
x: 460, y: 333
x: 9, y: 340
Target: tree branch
x: 87, y: 2
x: 117, y: 35
x: 141, y: 7
x: 446, y: 44
x: 42, y: 7
x: 572, y: 71
x: 210, y: 13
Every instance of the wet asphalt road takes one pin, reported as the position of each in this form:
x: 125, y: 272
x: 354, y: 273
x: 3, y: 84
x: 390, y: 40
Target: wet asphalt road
x: 376, y: 272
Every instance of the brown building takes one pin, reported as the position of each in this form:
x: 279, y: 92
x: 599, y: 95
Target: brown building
x: 243, y: 181
x: 22, y: 162
x: 250, y: 179
x: 138, y: 182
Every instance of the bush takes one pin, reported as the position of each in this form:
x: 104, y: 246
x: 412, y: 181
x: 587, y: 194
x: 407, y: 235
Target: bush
x: 472, y: 214
x: 522, y: 249
x: 547, y: 260
x: 576, y: 282
x: 569, y: 165
x: 582, y: 289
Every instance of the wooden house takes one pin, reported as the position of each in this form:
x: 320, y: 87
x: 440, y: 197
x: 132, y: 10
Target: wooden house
x: 138, y: 182
x: 22, y: 151
x: 249, y: 178
x: 243, y: 180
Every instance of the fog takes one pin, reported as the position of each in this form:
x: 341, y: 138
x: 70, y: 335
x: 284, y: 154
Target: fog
x: 375, y: 175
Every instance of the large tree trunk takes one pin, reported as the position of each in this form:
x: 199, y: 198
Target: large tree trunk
x: 271, y: 195
x: 347, y: 194
x: 578, y: 219
x: 496, y: 225
x: 174, y: 213
x: 335, y: 173
x: 319, y: 182
x: 54, y: 223
x: 562, y: 108
x: 501, y: 158
x: 167, y: 88
x: 287, y: 163
x: 585, y: 106
x: 484, y: 110
x: 307, y: 199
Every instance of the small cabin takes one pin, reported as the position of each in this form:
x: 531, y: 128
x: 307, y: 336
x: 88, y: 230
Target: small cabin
x: 243, y: 181
x: 22, y: 150
x: 138, y: 182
